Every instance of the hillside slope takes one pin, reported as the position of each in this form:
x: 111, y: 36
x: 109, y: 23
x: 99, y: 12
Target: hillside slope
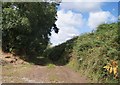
x: 90, y: 53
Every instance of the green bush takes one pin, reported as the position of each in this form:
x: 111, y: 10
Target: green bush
x: 94, y: 50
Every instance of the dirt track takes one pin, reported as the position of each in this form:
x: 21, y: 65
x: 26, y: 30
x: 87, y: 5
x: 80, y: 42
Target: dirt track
x: 41, y: 74
x: 27, y: 73
x: 59, y: 74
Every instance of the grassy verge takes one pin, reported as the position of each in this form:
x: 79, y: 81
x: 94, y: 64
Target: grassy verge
x: 14, y: 74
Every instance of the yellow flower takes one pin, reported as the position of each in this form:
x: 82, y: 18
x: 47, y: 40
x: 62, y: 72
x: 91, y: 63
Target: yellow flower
x: 107, y: 67
x: 115, y: 70
x: 111, y: 69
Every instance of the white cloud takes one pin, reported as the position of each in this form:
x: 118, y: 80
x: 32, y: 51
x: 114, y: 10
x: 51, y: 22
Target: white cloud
x: 72, y: 24
x: 97, y: 18
x: 82, y: 6
x: 69, y: 18
x: 68, y: 23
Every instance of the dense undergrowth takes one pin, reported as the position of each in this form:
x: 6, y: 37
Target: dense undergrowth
x: 90, y: 53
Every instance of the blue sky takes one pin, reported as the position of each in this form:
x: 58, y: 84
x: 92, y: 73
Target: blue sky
x: 76, y: 18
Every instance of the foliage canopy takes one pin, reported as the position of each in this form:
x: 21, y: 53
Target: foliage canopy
x: 26, y: 27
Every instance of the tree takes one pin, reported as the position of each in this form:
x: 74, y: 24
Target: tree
x: 26, y: 26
